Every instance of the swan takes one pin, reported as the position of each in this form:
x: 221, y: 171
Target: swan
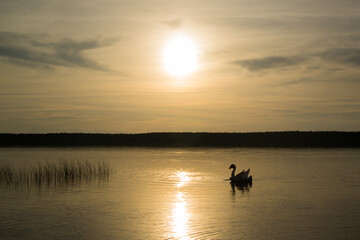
x: 240, y: 177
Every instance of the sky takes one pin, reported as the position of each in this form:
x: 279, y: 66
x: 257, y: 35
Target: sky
x: 97, y: 66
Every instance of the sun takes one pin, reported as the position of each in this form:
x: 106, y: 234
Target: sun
x: 180, y: 56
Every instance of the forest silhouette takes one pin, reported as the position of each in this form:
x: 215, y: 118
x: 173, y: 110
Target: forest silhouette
x: 298, y: 139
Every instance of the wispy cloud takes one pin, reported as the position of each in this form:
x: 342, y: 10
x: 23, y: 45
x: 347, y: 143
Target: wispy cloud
x: 174, y: 23
x: 269, y: 62
x: 347, y: 56
x: 27, y: 50
x: 289, y: 23
x: 342, y: 56
x: 316, y: 113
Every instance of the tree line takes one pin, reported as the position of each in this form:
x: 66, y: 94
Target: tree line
x: 300, y: 139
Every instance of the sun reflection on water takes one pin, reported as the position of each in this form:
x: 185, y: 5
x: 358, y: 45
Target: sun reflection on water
x: 179, y: 212
x: 183, y: 178
x: 180, y: 217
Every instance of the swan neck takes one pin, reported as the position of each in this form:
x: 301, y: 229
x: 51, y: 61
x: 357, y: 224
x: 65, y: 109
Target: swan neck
x: 233, y: 172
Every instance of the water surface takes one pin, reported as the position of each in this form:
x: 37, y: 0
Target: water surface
x: 181, y: 193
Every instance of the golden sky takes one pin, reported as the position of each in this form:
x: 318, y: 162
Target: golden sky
x: 97, y: 66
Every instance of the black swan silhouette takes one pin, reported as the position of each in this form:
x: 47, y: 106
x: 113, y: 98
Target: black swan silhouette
x: 242, y: 177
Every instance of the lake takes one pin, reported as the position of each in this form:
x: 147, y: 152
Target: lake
x: 182, y: 193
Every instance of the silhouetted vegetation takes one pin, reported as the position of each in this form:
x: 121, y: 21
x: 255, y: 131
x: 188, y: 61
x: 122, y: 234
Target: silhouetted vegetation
x: 63, y: 172
x: 256, y: 139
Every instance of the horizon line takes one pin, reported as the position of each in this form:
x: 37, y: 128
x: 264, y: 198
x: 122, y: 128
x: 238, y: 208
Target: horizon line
x: 189, y: 132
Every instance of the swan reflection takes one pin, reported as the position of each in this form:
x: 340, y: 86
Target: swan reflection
x: 243, y: 187
x: 180, y: 217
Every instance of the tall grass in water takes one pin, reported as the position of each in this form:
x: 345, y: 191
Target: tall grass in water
x: 64, y: 172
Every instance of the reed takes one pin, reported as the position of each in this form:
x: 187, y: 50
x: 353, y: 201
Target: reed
x: 63, y: 172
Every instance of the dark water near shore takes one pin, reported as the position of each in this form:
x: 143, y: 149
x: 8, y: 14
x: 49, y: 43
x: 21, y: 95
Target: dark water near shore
x: 181, y: 193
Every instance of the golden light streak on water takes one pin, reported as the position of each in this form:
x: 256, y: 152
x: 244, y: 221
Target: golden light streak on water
x: 180, y: 217
x: 183, y: 178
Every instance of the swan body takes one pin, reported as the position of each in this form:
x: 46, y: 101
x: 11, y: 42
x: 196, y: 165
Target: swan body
x: 242, y: 177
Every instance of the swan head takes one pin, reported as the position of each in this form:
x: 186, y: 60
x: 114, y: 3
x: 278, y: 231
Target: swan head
x: 232, y: 166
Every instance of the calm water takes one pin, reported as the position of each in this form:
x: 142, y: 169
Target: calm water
x: 182, y: 194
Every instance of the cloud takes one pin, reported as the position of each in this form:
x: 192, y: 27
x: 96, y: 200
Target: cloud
x: 175, y: 23
x: 298, y: 24
x: 342, y: 56
x: 268, y: 62
x: 27, y: 50
x: 346, y: 56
